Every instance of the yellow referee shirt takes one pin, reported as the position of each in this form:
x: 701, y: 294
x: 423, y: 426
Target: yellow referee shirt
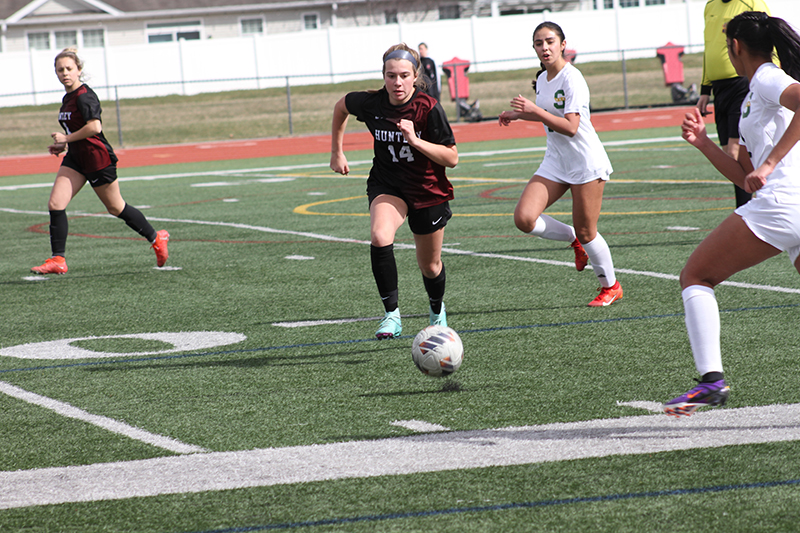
x: 717, y: 14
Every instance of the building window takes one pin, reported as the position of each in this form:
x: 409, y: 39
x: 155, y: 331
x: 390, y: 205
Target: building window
x: 512, y: 11
x: 391, y: 16
x: 39, y: 41
x: 94, y: 38
x: 252, y: 26
x: 449, y: 12
x: 164, y: 32
x: 655, y: 2
x: 311, y: 21
x: 628, y: 3
x: 66, y: 39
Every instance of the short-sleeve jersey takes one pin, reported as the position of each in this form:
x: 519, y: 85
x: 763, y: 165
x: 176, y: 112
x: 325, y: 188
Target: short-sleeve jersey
x: 762, y: 124
x: 716, y: 63
x: 582, y: 153
x: 421, y: 182
x: 77, y: 108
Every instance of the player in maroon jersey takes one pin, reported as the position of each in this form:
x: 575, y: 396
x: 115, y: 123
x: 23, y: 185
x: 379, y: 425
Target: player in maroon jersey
x: 89, y: 158
x: 413, y: 144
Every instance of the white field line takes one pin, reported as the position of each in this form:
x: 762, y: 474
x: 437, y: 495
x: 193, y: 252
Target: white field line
x: 454, y: 251
x: 434, y: 452
x: 419, y: 426
x: 114, y: 426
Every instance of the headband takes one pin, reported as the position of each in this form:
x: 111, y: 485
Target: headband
x: 402, y: 54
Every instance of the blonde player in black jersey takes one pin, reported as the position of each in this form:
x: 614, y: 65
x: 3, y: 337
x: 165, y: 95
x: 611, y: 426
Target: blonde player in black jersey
x: 89, y: 157
x: 413, y: 144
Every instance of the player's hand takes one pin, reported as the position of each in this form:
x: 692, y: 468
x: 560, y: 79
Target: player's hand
x: 339, y: 164
x: 406, y: 127
x: 693, y: 129
x: 58, y: 137
x: 522, y: 104
x: 506, y: 117
x: 757, y: 178
x: 702, y: 104
x: 56, y: 148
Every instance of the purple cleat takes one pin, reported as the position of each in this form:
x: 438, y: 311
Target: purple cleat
x: 703, y: 395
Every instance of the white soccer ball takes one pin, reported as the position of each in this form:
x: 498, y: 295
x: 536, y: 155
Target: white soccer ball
x: 437, y: 351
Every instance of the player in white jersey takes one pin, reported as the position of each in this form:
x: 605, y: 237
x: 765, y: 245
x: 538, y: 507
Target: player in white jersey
x: 768, y: 224
x: 574, y: 161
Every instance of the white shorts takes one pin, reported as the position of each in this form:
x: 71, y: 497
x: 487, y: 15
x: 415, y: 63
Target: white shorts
x: 551, y: 172
x: 775, y: 223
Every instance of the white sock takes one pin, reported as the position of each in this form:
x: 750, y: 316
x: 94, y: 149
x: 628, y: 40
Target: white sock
x: 600, y: 256
x: 549, y: 228
x: 702, y: 324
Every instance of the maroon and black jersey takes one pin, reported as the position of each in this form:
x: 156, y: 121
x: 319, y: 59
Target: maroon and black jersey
x: 420, y: 181
x: 77, y: 108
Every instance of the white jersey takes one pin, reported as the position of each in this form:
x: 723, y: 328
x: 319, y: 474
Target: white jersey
x: 762, y: 124
x: 583, y: 154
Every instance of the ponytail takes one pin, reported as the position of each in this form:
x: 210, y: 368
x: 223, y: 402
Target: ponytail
x: 536, y: 77
x: 767, y: 36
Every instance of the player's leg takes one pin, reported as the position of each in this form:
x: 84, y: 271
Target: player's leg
x: 587, y: 200
x: 386, y: 215
x: 429, y: 259
x: 730, y: 248
x: 428, y: 225
x: 67, y: 184
x: 539, y: 194
x: 109, y: 193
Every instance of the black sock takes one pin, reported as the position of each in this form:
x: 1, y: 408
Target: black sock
x: 435, y: 289
x: 59, y: 228
x: 384, y: 269
x: 711, y: 377
x: 136, y: 221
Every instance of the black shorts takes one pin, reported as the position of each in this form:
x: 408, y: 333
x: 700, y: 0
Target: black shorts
x: 421, y: 221
x: 728, y: 97
x: 104, y: 176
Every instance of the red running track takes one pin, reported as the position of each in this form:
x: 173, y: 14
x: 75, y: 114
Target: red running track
x: 224, y: 150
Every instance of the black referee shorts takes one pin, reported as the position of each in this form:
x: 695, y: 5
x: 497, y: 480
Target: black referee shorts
x: 728, y: 97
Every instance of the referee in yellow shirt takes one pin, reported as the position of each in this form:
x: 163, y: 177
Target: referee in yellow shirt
x: 720, y: 78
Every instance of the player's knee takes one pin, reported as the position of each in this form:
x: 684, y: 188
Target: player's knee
x: 431, y: 269
x: 524, y: 222
x: 690, y: 276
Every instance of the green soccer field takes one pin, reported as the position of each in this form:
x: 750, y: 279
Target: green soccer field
x: 240, y: 388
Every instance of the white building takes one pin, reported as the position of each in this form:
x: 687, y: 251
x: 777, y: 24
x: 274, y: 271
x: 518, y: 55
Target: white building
x: 57, y: 24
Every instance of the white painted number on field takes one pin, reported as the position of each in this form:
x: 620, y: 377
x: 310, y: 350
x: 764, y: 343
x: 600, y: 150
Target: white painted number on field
x: 181, y: 342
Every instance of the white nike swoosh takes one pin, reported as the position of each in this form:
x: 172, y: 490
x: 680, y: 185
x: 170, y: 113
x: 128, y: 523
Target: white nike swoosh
x: 436, y: 221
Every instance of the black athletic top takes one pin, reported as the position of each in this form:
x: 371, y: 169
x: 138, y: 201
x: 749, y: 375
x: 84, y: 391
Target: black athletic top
x: 421, y: 181
x: 77, y: 108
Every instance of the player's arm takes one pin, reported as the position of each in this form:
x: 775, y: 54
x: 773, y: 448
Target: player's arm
x: 693, y: 131
x: 527, y: 110
x: 90, y: 129
x: 338, y: 125
x: 790, y: 99
x: 445, y: 155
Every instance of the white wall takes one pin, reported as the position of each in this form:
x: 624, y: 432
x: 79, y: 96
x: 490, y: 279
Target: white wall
x: 341, y: 54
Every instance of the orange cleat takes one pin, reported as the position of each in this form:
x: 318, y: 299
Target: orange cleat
x: 160, y: 247
x: 607, y: 296
x: 581, y: 259
x: 53, y: 265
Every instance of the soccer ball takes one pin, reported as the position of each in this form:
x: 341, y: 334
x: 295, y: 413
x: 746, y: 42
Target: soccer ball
x: 437, y: 351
